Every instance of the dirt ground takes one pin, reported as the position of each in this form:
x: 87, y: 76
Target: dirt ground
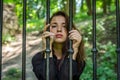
x: 12, y: 54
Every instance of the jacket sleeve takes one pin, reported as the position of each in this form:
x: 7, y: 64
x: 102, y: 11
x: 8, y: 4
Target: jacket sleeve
x: 39, y: 67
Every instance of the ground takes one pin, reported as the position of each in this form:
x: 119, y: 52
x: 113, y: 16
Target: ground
x: 12, y: 54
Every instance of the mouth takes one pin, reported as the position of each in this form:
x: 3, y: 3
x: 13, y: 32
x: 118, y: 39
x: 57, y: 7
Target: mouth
x: 59, y: 36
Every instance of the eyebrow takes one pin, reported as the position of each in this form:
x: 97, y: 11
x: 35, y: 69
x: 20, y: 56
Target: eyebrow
x: 56, y: 23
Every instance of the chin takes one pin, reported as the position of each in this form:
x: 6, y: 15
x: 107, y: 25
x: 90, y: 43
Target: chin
x: 59, y: 41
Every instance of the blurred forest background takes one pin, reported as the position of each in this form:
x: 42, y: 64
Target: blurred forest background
x: 36, y: 15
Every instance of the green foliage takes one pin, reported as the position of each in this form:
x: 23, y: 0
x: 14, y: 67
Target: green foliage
x: 87, y: 74
x: 35, y: 25
x: 106, y: 63
x: 106, y: 56
x: 7, y: 38
x: 36, y: 11
x: 12, y: 74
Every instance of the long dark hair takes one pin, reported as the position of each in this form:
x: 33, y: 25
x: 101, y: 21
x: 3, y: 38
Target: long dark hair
x: 80, y: 56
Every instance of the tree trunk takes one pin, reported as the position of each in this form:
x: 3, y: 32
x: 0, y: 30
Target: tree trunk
x: 104, y: 6
x: 10, y: 21
x: 88, y: 3
x: 65, y: 8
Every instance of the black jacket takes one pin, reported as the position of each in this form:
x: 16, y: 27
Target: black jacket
x: 59, y: 69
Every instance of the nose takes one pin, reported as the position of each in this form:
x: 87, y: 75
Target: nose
x: 59, y: 29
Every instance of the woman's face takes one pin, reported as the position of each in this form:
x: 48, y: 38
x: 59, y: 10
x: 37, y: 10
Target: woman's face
x: 57, y: 26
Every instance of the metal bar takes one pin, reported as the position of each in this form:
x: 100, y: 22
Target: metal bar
x: 70, y: 50
x: 24, y: 42
x: 94, y: 50
x: 118, y: 38
x: 47, y: 39
x: 1, y: 24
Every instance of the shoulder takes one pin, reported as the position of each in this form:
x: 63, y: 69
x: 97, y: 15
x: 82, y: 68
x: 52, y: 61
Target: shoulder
x: 38, y: 56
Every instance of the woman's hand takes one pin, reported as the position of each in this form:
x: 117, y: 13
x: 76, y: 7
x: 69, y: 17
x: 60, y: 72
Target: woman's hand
x: 76, y: 37
x: 45, y: 35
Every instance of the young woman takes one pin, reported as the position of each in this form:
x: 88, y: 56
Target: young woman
x: 59, y: 57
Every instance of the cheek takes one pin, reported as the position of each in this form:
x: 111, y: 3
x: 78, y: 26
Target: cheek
x: 65, y: 33
x: 52, y: 30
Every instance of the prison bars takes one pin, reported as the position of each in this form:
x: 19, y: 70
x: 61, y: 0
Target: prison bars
x: 1, y: 22
x: 24, y: 42
x: 70, y: 50
x: 47, y: 39
x: 118, y: 38
x: 94, y: 49
x: 70, y: 42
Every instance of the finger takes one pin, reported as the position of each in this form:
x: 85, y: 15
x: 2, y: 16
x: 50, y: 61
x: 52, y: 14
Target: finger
x: 72, y: 34
x: 45, y: 28
x: 75, y: 34
x: 47, y: 34
x: 75, y: 38
x: 74, y: 31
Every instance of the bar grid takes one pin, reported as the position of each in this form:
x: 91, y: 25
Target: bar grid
x: 94, y: 49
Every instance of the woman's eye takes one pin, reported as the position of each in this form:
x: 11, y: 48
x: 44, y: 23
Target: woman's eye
x: 64, y: 26
x: 53, y: 26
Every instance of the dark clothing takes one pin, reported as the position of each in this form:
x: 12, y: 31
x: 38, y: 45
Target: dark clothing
x: 59, y: 69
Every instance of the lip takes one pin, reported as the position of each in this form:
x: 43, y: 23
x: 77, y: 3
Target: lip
x: 59, y: 35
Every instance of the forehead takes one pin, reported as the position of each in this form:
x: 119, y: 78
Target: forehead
x: 59, y: 19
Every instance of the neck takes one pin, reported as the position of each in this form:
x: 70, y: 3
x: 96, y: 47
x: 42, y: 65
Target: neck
x: 58, y: 50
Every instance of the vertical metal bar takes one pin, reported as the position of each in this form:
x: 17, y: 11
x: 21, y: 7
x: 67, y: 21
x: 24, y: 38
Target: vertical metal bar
x: 47, y: 40
x: 118, y: 38
x: 1, y: 22
x: 70, y: 50
x: 24, y: 42
x: 94, y: 50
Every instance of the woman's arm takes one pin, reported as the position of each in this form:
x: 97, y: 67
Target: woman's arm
x: 76, y: 37
x: 39, y: 67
